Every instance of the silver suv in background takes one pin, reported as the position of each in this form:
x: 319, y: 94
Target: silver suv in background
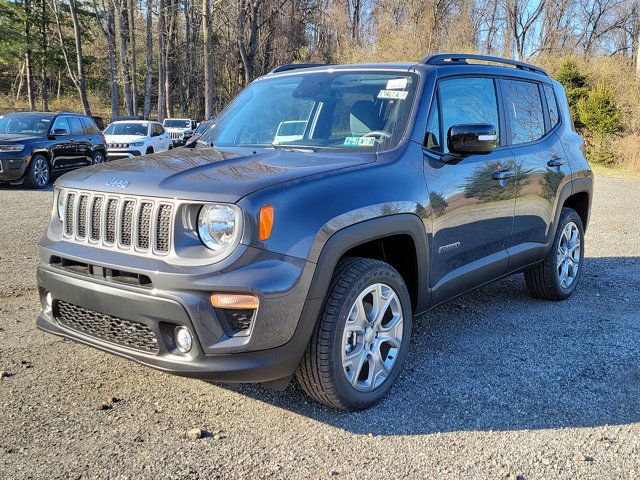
x: 180, y: 129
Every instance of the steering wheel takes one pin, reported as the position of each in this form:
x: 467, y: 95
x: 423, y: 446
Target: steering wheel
x: 378, y: 133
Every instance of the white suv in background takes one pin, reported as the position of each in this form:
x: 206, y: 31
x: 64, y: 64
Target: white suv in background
x: 180, y: 129
x: 134, y: 138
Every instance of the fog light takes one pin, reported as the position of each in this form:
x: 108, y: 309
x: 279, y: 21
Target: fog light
x: 183, y: 339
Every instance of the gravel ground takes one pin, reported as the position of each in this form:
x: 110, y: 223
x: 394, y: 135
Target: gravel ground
x: 497, y: 385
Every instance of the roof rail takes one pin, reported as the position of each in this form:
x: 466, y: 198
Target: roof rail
x: 294, y: 66
x: 461, y: 58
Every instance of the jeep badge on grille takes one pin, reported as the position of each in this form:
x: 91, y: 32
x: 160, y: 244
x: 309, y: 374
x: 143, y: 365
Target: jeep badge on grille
x: 114, y: 182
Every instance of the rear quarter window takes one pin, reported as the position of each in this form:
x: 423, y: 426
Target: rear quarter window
x: 552, y: 104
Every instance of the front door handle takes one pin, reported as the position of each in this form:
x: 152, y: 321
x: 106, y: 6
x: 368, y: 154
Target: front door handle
x: 555, y: 162
x: 503, y: 174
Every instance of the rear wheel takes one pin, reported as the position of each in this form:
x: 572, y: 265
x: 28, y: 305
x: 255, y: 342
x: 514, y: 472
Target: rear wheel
x: 38, y: 173
x: 149, y: 151
x: 362, y: 337
x: 557, y: 276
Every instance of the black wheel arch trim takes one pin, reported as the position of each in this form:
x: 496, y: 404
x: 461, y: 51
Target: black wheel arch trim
x: 374, y: 229
x: 577, y: 185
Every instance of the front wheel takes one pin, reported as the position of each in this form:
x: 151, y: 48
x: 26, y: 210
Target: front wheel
x: 38, y: 173
x: 97, y: 158
x: 362, y: 337
x: 556, y: 277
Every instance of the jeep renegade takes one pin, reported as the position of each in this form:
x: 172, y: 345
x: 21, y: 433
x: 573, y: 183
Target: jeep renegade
x: 390, y: 189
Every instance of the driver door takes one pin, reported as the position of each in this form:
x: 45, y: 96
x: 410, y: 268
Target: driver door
x: 473, y: 198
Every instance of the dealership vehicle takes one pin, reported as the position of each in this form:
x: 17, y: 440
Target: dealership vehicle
x: 134, y: 138
x: 243, y: 259
x: 202, y: 127
x: 34, y: 146
x: 180, y: 129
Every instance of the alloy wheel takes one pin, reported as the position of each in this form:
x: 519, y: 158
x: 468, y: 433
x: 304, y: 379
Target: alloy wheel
x: 568, y: 255
x: 41, y: 172
x: 372, y: 337
x: 98, y: 158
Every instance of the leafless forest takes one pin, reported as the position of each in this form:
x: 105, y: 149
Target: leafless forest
x: 162, y: 58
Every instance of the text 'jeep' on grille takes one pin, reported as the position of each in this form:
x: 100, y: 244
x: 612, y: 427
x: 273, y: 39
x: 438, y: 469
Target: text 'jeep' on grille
x: 324, y: 208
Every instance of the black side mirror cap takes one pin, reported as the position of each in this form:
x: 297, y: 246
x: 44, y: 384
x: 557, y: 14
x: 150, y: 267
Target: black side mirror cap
x: 470, y: 139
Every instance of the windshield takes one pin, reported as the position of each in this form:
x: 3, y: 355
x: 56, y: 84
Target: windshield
x: 203, y: 126
x: 30, y: 124
x: 138, y: 129
x: 321, y: 110
x: 169, y: 123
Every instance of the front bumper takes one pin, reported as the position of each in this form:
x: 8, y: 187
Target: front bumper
x: 117, y: 154
x: 13, y: 166
x: 270, y: 351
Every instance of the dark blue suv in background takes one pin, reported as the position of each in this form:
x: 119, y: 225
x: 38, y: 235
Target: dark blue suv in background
x: 322, y: 210
x: 34, y: 146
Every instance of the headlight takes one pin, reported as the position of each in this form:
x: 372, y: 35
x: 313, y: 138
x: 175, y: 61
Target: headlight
x: 219, y: 227
x: 60, y: 204
x: 11, y: 148
x: 137, y: 144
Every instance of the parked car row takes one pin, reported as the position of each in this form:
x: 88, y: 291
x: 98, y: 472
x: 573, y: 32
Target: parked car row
x: 35, y: 146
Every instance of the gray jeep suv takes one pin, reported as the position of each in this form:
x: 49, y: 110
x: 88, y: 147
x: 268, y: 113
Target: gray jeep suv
x: 326, y: 207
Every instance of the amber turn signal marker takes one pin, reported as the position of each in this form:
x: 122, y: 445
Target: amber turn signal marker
x: 235, y: 301
x: 266, y: 222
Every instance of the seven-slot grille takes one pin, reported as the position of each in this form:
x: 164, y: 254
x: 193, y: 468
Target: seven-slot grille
x: 128, y: 223
x: 175, y: 135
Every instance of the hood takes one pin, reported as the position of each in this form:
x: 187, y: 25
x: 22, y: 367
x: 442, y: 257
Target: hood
x: 207, y: 174
x: 124, y: 138
x: 16, y: 138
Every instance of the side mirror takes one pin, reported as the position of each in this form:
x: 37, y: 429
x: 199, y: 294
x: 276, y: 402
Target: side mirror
x: 60, y: 131
x: 469, y: 139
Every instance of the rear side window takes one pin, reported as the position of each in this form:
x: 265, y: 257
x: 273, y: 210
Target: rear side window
x: 76, y: 126
x: 552, y: 104
x: 89, y: 125
x: 468, y: 100
x: 524, y: 109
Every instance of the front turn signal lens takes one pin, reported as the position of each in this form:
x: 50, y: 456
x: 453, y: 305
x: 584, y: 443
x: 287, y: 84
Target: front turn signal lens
x: 266, y: 222
x: 234, y: 301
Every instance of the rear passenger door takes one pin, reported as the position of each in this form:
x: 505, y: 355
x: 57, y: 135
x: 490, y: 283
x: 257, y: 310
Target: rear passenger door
x: 542, y: 169
x: 471, y: 209
x: 82, y: 140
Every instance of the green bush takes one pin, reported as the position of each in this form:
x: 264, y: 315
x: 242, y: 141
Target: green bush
x: 600, y: 150
x: 599, y: 112
x: 575, y: 86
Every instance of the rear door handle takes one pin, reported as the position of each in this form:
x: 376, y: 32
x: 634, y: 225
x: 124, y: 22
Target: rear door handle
x: 503, y: 174
x: 555, y: 162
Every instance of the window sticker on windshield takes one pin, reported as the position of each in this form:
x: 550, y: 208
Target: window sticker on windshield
x: 359, y: 142
x: 397, y: 84
x: 393, y: 94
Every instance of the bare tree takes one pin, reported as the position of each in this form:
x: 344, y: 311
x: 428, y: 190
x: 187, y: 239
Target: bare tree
x: 148, y: 80
x: 132, y: 39
x: 521, y: 17
x: 207, y: 39
x: 77, y: 76
x: 123, y: 30
x: 161, y: 60
x: 108, y: 27
x: 27, y: 55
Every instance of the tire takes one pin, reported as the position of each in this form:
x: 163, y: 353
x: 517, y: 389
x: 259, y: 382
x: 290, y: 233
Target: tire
x: 39, y: 172
x: 340, y: 369
x: 98, y: 158
x: 547, y: 279
x: 149, y: 151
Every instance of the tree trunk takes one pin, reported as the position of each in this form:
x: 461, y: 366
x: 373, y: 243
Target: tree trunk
x: 161, y: 60
x: 208, y: 60
x: 132, y: 34
x: 123, y: 26
x: 43, y: 58
x: 80, y: 81
x: 27, y: 56
x: 149, y: 75
x: 113, y: 61
x: 638, y: 58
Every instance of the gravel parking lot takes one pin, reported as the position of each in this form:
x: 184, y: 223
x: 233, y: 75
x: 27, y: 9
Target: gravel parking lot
x: 497, y: 385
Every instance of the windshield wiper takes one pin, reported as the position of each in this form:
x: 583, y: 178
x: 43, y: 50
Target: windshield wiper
x: 294, y: 148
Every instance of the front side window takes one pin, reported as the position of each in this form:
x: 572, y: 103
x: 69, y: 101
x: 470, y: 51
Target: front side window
x: 355, y: 111
x: 524, y: 109
x: 61, y: 125
x: 24, y: 124
x: 432, y: 135
x: 468, y: 100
